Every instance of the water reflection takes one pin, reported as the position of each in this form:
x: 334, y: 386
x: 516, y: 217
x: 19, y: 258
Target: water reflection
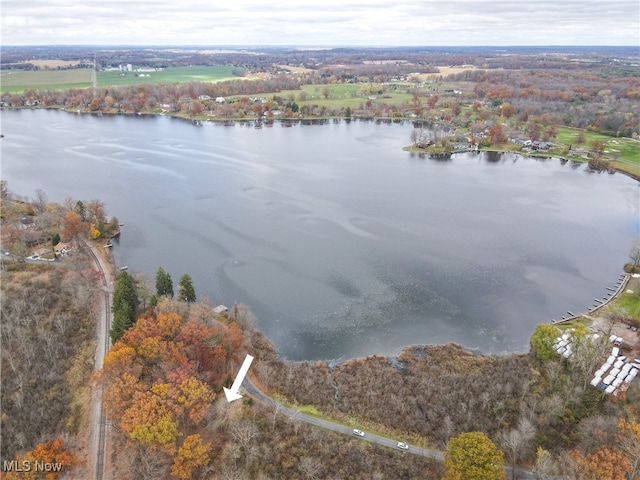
x: 493, y: 157
x: 341, y: 242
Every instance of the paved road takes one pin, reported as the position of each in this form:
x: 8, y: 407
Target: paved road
x: 250, y: 389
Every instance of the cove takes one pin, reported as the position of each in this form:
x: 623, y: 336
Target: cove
x: 341, y: 243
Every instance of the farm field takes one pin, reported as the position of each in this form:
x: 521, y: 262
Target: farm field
x: 169, y: 75
x: 17, y: 81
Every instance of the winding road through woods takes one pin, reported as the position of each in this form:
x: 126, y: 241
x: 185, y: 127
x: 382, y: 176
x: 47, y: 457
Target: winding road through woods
x: 250, y: 388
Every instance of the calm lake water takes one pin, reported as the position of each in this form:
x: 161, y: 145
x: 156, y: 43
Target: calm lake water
x: 340, y: 242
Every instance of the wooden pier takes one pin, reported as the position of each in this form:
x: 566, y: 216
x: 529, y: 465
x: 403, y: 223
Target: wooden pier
x: 614, y: 293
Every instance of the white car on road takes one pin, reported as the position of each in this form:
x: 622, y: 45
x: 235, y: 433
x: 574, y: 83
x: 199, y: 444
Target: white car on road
x: 358, y: 433
x: 402, y: 446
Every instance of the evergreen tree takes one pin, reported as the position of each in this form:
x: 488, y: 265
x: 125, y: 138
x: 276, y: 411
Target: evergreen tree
x: 121, y: 322
x: 186, y: 292
x: 153, y: 301
x: 81, y: 209
x: 164, y: 284
x: 125, y: 301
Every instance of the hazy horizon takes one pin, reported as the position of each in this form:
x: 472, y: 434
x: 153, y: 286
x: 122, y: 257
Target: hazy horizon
x: 334, y: 23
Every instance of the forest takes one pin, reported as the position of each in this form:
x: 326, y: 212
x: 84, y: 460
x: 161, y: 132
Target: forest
x: 543, y: 414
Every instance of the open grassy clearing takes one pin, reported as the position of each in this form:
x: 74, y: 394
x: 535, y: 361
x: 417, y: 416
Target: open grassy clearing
x: 444, y: 70
x: 339, y: 96
x: 168, y: 75
x: 620, y: 148
x: 52, y: 63
x: 634, y: 170
x: 347, y: 90
x: 630, y: 302
x: 296, y: 69
x: 15, y: 81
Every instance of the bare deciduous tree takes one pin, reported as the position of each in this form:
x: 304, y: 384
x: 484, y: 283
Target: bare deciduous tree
x: 543, y: 468
x: 243, y: 316
x: 40, y: 201
x: 587, y: 356
x: 517, y: 439
x: 634, y: 255
x: 230, y: 472
x: 242, y: 433
x: 311, y: 467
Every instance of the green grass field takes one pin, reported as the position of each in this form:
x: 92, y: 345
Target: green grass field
x: 168, y: 75
x: 631, y: 304
x: 17, y: 81
x: 340, y: 96
x: 625, y: 149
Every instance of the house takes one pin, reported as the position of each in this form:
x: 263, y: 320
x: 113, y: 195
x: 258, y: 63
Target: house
x: 62, y: 249
x: 27, y: 221
x: 538, y: 145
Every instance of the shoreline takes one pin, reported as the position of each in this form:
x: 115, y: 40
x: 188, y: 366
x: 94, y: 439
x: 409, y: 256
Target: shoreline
x: 197, y: 121
x: 612, y: 169
x: 619, y: 291
x: 393, y: 354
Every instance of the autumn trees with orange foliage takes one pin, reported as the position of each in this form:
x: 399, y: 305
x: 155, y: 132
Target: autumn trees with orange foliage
x: 81, y: 219
x: 603, y: 463
x: 496, y: 134
x: 47, y: 460
x: 73, y: 226
x: 160, y: 380
x: 629, y: 440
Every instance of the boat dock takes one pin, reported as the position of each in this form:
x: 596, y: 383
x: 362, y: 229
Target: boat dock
x: 613, y: 293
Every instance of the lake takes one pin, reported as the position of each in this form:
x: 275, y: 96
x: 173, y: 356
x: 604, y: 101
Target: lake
x: 341, y: 243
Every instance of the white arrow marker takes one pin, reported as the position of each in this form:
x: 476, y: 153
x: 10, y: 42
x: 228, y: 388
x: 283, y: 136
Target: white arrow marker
x: 232, y: 394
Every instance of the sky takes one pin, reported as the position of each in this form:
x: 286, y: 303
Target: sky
x: 320, y: 23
